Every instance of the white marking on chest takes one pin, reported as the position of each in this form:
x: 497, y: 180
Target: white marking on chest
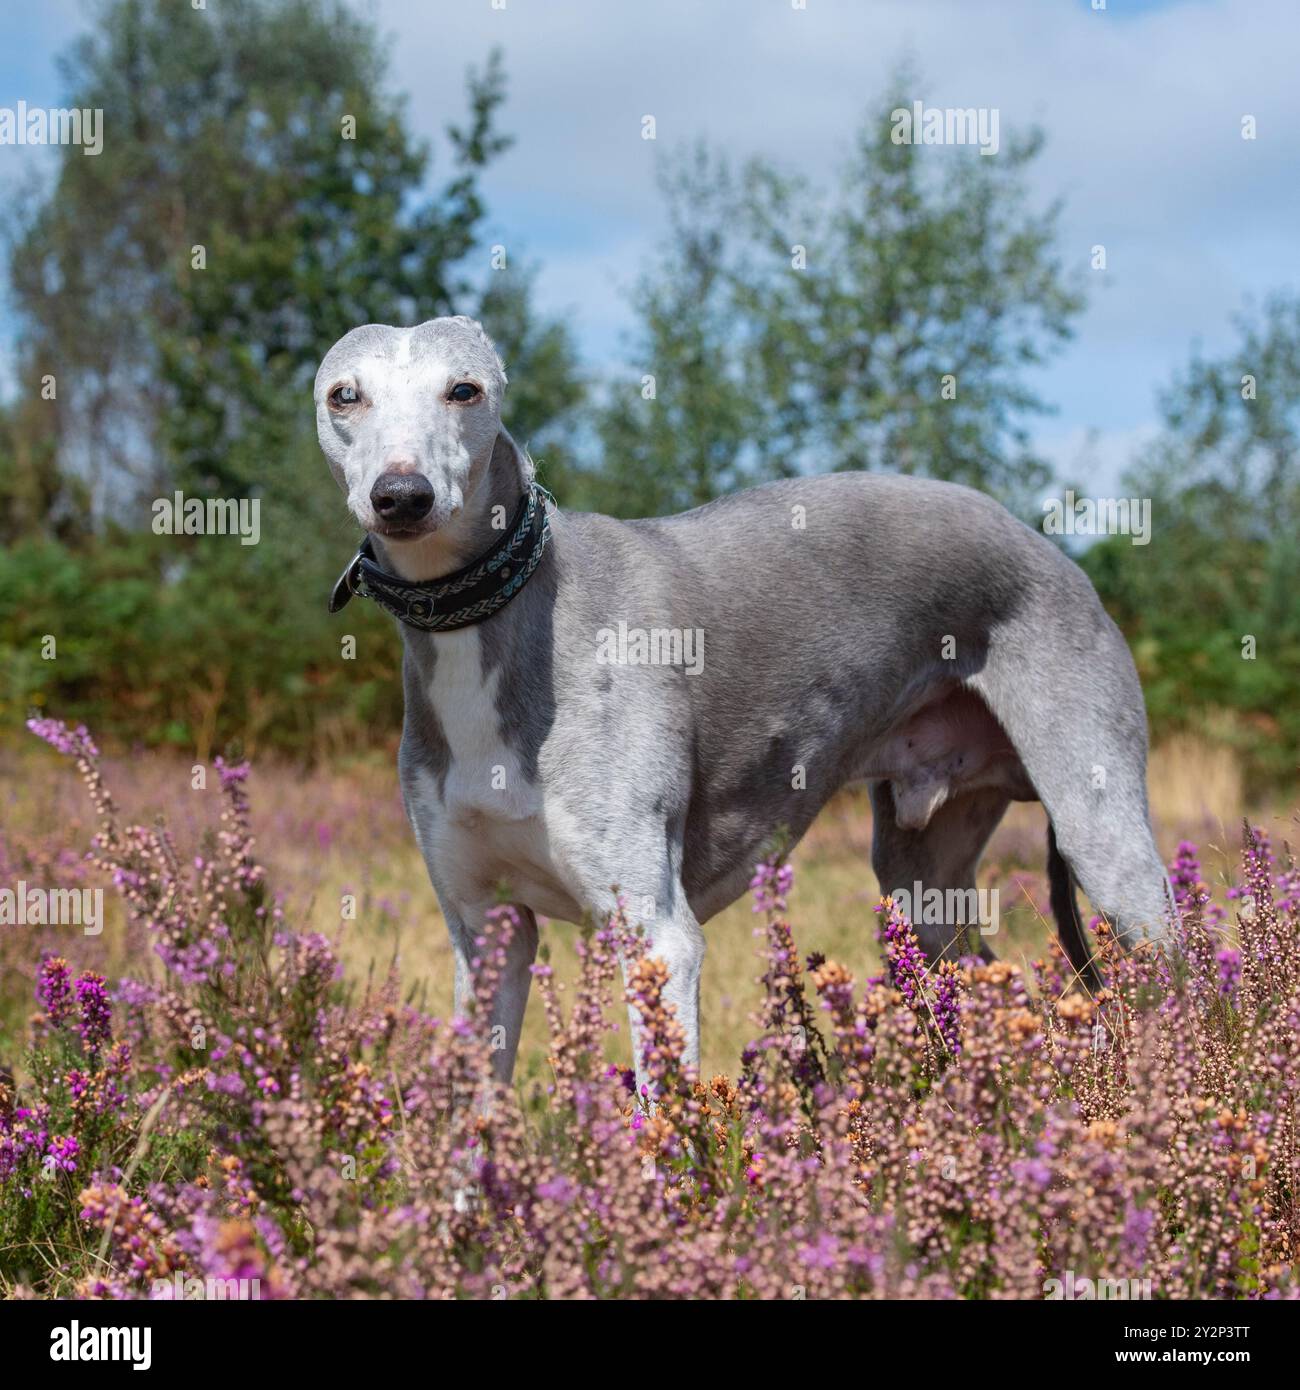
x: 485, y: 778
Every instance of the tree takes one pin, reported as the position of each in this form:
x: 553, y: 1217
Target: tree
x: 258, y: 194
x: 887, y: 325
x: 546, y: 391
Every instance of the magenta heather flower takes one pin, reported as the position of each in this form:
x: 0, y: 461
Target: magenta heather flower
x: 947, y: 1006
x: 96, y: 1011
x: 63, y: 1149
x: 55, y: 990
x: 903, y: 953
x: 231, y: 775
x: 1185, y: 876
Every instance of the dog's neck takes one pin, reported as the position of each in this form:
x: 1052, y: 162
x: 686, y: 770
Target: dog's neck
x: 488, y: 507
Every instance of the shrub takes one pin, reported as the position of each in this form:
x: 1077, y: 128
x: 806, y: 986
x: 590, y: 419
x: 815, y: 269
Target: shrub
x: 966, y: 1130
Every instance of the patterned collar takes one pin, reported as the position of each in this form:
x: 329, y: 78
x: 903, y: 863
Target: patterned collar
x: 469, y: 595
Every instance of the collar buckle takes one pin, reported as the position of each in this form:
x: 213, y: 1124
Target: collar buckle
x: 346, y: 584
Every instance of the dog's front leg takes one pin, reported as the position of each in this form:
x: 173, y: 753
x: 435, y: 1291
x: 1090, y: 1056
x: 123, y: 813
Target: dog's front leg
x: 674, y: 938
x: 506, y: 1017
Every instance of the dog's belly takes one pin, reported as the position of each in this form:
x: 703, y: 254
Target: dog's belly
x: 946, y: 747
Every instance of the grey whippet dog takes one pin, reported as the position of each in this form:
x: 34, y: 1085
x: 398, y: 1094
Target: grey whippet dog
x: 820, y: 631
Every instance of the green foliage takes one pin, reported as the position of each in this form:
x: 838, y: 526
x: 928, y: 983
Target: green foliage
x: 260, y: 195
x: 190, y: 651
x: 546, y: 394
x: 1224, y: 562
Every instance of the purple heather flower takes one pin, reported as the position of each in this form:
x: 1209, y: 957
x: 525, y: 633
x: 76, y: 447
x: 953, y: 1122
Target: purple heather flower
x: 1032, y: 1170
x: 947, y: 1011
x: 96, y: 1011
x: 1229, y: 963
x: 771, y: 886
x: 1185, y: 876
x: 71, y: 743
x: 557, y: 1189
x: 231, y: 775
x: 1138, y: 1225
x: 903, y: 953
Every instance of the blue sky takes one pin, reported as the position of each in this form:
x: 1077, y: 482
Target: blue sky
x: 1141, y: 103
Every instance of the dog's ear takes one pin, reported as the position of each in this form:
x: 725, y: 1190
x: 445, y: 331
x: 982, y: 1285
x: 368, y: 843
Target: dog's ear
x: 477, y: 329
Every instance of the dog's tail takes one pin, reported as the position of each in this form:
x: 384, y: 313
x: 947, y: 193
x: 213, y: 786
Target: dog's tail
x: 1065, y: 908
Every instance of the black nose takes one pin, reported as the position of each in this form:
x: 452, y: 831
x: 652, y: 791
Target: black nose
x: 400, y: 499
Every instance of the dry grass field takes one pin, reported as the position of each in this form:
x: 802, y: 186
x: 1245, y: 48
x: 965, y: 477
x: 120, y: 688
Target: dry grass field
x: 341, y: 830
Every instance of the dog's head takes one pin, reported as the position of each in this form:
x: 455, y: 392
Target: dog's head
x: 408, y: 419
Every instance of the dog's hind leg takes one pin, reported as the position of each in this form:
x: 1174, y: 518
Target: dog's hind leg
x: 1104, y: 837
x: 1082, y: 739
x: 1065, y: 909
x: 942, y: 855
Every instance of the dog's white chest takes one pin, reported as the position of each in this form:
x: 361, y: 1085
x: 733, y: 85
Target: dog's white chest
x: 484, y: 781
x: 485, y: 830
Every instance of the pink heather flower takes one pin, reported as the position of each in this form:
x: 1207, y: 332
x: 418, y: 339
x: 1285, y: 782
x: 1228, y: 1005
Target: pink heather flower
x: 72, y: 743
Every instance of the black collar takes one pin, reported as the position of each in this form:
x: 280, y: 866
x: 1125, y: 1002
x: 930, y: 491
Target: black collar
x: 469, y: 595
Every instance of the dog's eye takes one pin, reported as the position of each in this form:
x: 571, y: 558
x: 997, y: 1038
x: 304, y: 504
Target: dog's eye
x: 464, y: 391
x: 343, y: 396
